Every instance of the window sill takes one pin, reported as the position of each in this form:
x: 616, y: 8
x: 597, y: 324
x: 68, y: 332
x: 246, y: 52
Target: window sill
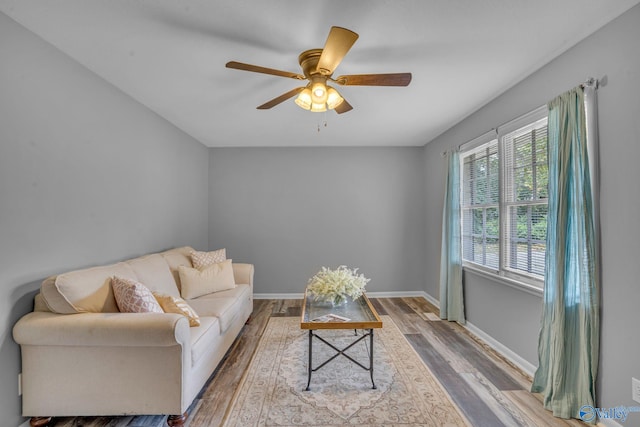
x: 516, y: 284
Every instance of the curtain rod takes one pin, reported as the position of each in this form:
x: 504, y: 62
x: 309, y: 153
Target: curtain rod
x: 590, y: 82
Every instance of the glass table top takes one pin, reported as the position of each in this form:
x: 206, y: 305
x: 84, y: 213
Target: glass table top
x: 359, y: 314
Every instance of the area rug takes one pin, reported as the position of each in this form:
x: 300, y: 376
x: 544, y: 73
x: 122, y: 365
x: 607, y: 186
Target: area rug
x: 272, y: 392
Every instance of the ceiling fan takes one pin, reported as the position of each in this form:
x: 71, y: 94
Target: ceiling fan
x: 318, y: 66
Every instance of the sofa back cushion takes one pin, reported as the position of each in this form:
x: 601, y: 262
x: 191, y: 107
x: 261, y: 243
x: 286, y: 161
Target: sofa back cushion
x: 53, y: 300
x: 175, y: 258
x: 90, y: 290
x: 85, y: 291
x: 153, y: 272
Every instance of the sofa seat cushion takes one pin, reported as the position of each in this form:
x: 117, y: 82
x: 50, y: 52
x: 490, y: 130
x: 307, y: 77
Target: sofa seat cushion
x: 85, y: 291
x: 224, y: 305
x: 241, y: 290
x: 203, y: 337
x: 153, y: 272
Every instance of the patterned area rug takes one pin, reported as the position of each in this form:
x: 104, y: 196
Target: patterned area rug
x: 272, y: 391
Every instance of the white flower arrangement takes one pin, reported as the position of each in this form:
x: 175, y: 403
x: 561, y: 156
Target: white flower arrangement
x: 336, y: 285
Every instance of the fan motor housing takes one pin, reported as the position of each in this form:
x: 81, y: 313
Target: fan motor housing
x: 309, y: 61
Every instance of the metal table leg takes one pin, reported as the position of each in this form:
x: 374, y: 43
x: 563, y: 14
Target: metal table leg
x: 340, y: 352
x: 371, y: 357
x: 310, y: 359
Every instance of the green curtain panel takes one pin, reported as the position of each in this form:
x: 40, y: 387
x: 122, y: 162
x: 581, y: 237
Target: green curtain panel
x: 451, y: 295
x: 568, y: 346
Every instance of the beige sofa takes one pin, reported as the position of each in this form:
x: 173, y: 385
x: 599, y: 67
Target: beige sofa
x: 82, y: 357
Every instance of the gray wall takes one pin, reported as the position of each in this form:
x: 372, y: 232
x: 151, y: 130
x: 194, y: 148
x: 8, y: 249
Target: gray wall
x: 293, y: 210
x: 87, y: 176
x: 512, y: 317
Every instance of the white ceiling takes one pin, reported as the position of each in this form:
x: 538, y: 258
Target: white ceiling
x: 170, y: 56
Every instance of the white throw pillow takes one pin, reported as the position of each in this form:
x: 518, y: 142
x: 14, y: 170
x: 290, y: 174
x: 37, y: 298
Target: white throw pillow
x: 134, y: 297
x: 215, y: 278
x: 201, y: 260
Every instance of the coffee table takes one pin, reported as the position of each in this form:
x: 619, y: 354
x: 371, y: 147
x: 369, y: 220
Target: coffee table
x: 360, y: 314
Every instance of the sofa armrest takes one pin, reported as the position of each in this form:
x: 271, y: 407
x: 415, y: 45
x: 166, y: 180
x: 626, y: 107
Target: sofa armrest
x: 102, y: 329
x: 243, y: 273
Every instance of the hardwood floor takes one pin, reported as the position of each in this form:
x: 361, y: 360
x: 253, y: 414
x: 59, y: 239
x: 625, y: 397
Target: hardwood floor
x: 489, y: 391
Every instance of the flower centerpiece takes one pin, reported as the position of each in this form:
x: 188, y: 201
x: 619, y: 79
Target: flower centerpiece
x: 335, y: 286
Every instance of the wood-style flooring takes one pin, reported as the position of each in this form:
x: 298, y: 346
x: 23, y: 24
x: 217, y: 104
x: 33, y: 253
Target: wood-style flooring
x: 489, y: 391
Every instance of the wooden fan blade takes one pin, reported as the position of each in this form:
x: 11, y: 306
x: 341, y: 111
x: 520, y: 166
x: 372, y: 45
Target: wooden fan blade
x: 279, y: 99
x: 394, y: 79
x: 335, y: 48
x: 343, y: 107
x: 257, y: 69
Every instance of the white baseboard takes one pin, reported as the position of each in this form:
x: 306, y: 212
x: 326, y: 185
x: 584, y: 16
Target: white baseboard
x: 398, y: 294
x: 431, y: 299
x: 505, y: 351
x: 278, y: 296
x: 510, y: 355
x: 495, y: 344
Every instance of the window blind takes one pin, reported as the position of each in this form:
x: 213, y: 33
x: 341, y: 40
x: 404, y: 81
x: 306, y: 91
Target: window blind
x: 524, y: 195
x: 480, y: 205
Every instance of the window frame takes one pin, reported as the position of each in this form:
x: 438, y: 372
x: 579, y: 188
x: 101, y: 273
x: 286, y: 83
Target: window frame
x: 478, y: 145
x: 529, y: 282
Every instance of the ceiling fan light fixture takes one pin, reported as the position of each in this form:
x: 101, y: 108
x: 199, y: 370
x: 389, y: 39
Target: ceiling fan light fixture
x: 319, y: 93
x: 304, y: 99
x: 318, y: 66
x: 333, y: 98
x: 318, y: 89
x: 318, y: 108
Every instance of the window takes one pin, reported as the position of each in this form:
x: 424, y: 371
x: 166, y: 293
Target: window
x: 480, y: 206
x: 525, y: 198
x: 504, y: 199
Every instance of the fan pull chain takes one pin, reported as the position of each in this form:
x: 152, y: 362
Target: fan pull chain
x: 324, y: 121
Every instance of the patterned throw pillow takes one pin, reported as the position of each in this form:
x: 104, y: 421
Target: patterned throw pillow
x: 202, y: 260
x: 215, y: 278
x: 134, y: 297
x: 171, y: 304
